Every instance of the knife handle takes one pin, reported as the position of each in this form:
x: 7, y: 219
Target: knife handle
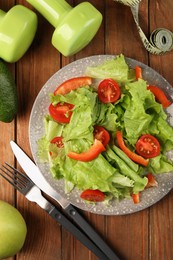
x: 88, y: 229
x: 82, y: 237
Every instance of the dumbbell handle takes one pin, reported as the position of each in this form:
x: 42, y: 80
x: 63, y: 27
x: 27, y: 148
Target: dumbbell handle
x: 52, y: 10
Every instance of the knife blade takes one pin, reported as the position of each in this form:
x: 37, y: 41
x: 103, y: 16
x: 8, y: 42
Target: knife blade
x: 36, y: 176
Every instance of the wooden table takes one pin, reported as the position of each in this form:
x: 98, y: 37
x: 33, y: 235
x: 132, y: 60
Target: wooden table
x: 147, y: 234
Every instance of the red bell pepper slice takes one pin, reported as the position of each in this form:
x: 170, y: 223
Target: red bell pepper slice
x: 151, y: 181
x: 72, y: 84
x: 138, y: 72
x: 89, y: 155
x: 136, y: 198
x: 160, y: 96
x: 133, y: 156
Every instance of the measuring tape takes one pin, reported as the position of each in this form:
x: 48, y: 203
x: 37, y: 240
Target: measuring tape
x: 161, y: 40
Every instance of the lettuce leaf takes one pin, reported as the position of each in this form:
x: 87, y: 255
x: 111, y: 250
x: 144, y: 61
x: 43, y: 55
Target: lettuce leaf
x: 160, y: 164
x: 116, y: 69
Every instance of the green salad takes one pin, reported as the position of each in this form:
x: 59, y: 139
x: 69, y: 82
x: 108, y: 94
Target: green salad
x: 70, y: 143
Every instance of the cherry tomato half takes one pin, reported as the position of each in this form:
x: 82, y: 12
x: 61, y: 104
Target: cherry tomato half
x: 108, y: 91
x: 101, y: 134
x: 61, y: 112
x: 148, y: 146
x: 58, y: 141
x: 93, y: 195
x: 72, y: 84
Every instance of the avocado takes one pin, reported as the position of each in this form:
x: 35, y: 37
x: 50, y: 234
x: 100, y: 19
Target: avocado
x: 8, y: 94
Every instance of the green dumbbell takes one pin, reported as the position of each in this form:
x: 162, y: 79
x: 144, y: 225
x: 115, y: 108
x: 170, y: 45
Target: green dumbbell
x: 17, y: 30
x: 74, y: 27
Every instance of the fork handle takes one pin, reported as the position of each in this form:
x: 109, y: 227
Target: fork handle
x: 76, y: 232
x: 89, y: 230
x: 34, y: 195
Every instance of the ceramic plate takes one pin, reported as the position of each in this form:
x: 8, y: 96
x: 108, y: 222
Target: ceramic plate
x: 36, y: 131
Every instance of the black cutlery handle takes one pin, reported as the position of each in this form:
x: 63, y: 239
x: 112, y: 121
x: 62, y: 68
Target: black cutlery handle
x: 76, y: 232
x: 88, y: 229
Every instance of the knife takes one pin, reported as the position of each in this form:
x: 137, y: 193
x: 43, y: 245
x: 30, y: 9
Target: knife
x: 24, y: 184
x: 36, y: 176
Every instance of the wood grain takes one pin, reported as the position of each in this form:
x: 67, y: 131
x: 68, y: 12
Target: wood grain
x: 146, y: 235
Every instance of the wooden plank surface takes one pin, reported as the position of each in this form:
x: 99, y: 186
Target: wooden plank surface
x: 146, y: 235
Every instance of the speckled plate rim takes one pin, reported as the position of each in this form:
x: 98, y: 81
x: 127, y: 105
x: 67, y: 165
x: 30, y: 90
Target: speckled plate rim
x: 36, y: 131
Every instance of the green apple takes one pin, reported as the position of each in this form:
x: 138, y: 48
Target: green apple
x: 12, y: 230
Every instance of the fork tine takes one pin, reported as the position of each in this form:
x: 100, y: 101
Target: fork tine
x: 17, y: 179
x: 10, y: 179
x: 18, y: 174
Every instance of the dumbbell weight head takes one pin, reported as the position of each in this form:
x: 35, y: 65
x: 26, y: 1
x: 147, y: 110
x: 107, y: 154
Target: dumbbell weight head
x: 17, y: 30
x: 75, y: 27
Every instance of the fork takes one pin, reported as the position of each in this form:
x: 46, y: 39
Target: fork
x: 25, y: 185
